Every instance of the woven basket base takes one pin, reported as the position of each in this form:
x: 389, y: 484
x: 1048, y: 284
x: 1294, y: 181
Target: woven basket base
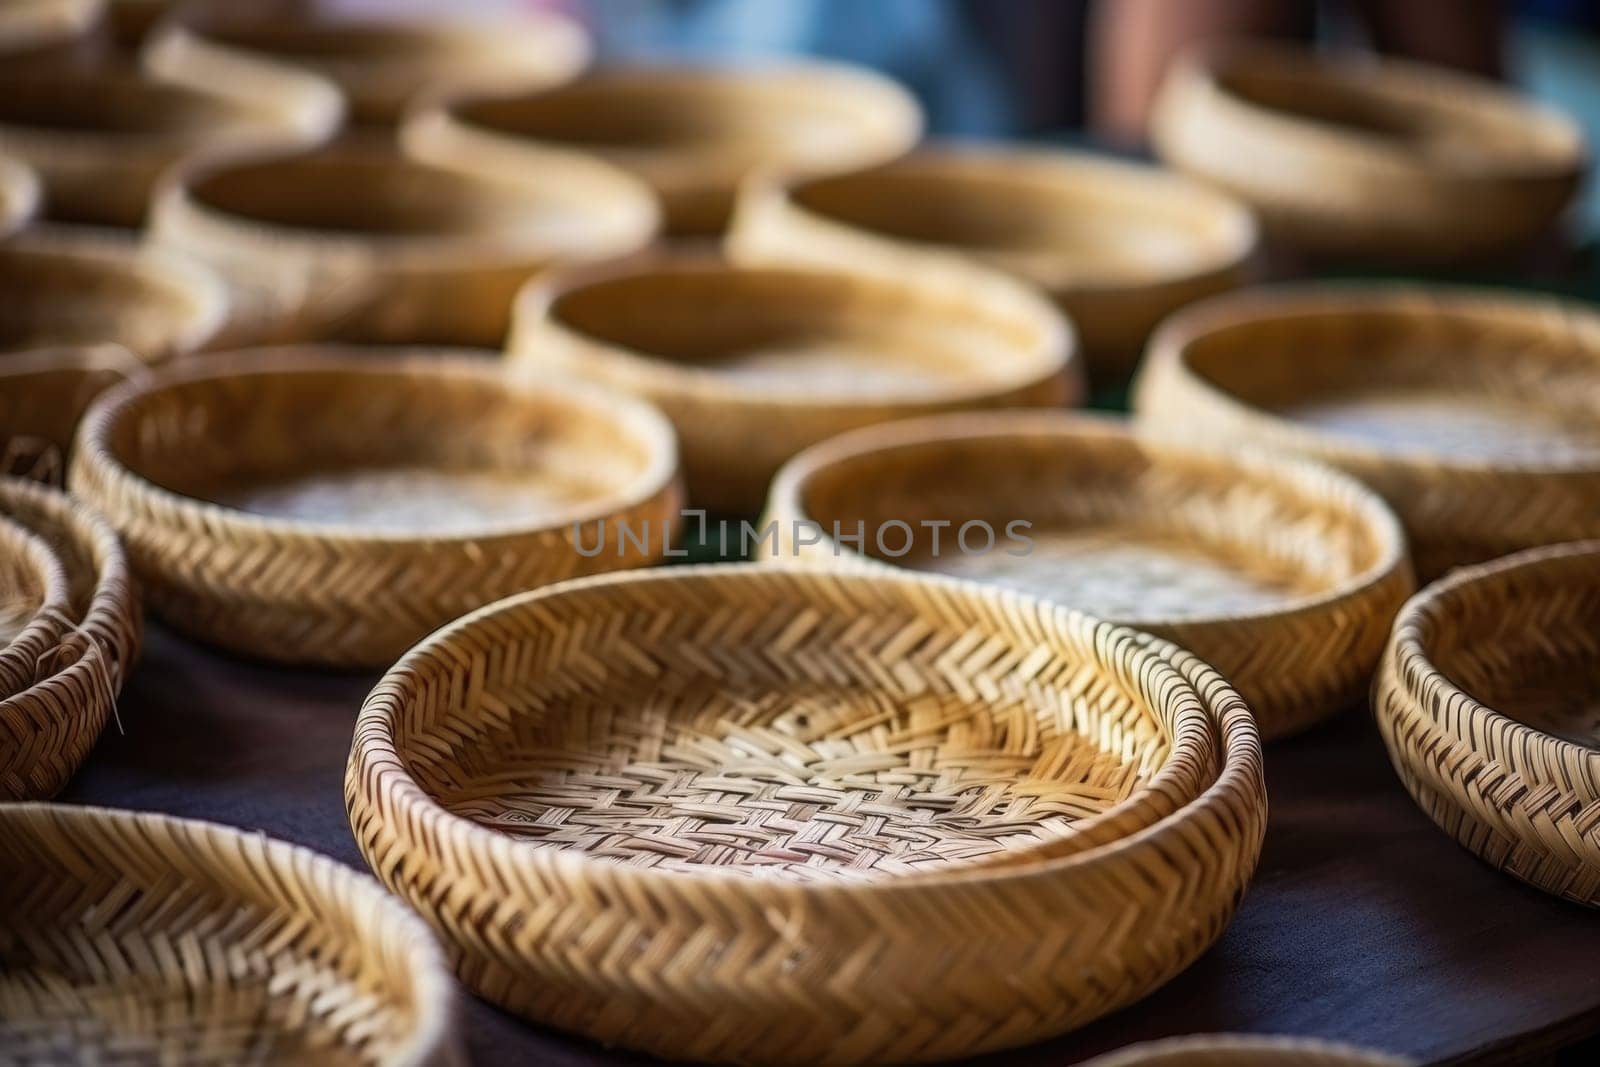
x: 805, y: 780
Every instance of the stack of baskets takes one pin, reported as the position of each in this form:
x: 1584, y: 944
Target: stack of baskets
x: 821, y: 807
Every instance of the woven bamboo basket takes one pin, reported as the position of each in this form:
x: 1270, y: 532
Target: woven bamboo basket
x: 380, y: 65
x: 1117, y: 245
x: 1282, y: 575
x: 801, y: 816
x: 67, y: 288
x: 313, y: 506
x: 100, y: 138
x: 1245, y: 1050
x: 693, y: 133
x: 139, y: 938
x: 44, y: 33
x: 1486, y: 701
x: 753, y: 364
x: 33, y: 596
x: 1356, y: 157
x: 48, y: 728
x: 426, y: 255
x: 43, y: 394
x: 1470, y: 411
x: 19, y: 196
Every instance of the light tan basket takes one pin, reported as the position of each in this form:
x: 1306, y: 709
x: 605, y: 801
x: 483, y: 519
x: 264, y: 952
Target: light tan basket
x: 1283, y: 575
x: 1245, y: 1050
x: 48, y: 728
x: 19, y: 196
x: 139, y: 938
x: 313, y: 506
x: 1486, y: 701
x: 753, y: 364
x: 1117, y: 245
x: 84, y: 288
x: 43, y: 394
x: 100, y: 138
x: 33, y: 599
x: 46, y: 33
x: 424, y: 255
x: 1472, y: 412
x: 693, y: 133
x: 1353, y: 156
x: 800, y: 816
x: 380, y: 65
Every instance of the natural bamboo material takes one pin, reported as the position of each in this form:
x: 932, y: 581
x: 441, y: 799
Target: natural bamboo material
x: 425, y: 255
x: 48, y: 728
x: 1377, y: 159
x: 46, y: 33
x: 1281, y: 574
x: 66, y: 288
x: 33, y: 595
x: 381, y: 65
x: 19, y: 196
x: 749, y: 814
x: 43, y: 394
x: 139, y: 938
x: 1472, y: 412
x: 693, y: 133
x: 1118, y: 246
x: 1486, y: 701
x: 753, y: 364
x: 313, y: 506
x: 100, y: 138
x: 1245, y: 1050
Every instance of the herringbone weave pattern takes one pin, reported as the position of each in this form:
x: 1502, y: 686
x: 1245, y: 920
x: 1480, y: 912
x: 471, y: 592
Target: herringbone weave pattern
x: 140, y: 939
x: 766, y: 815
x: 48, y: 728
x: 331, y: 589
x: 1282, y: 575
x: 1486, y: 701
x: 1470, y: 412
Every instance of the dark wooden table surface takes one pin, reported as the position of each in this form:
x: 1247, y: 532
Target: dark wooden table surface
x: 1365, y: 923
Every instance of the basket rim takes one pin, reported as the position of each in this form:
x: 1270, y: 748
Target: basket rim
x: 46, y: 359
x: 1200, y: 68
x: 20, y: 195
x: 1167, y: 368
x: 376, y: 764
x: 437, y: 1006
x: 42, y: 631
x: 1408, y: 665
x: 955, y: 161
x: 1057, y: 355
x: 638, y: 418
x: 108, y: 252
x: 177, y: 213
x: 1136, y: 1054
x: 1097, y: 429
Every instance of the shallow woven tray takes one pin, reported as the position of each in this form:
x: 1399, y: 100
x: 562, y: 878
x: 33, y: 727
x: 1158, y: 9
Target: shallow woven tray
x: 100, y: 138
x: 1117, y: 245
x: 1487, y: 703
x: 47, y: 729
x: 380, y: 64
x: 33, y: 599
x: 308, y: 505
x: 1244, y: 1050
x: 800, y: 816
x: 1352, y: 156
x: 1282, y: 575
x: 1472, y: 412
x: 425, y: 255
x: 82, y: 288
x: 753, y: 364
x: 19, y: 196
x: 693, y: 133
x: 138, y: 938
x: 43, y: 394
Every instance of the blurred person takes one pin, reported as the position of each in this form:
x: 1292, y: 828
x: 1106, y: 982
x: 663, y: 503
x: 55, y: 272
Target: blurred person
x: 1131, y: 42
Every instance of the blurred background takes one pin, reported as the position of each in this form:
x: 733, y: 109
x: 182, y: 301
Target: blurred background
x: 1066, y: 69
